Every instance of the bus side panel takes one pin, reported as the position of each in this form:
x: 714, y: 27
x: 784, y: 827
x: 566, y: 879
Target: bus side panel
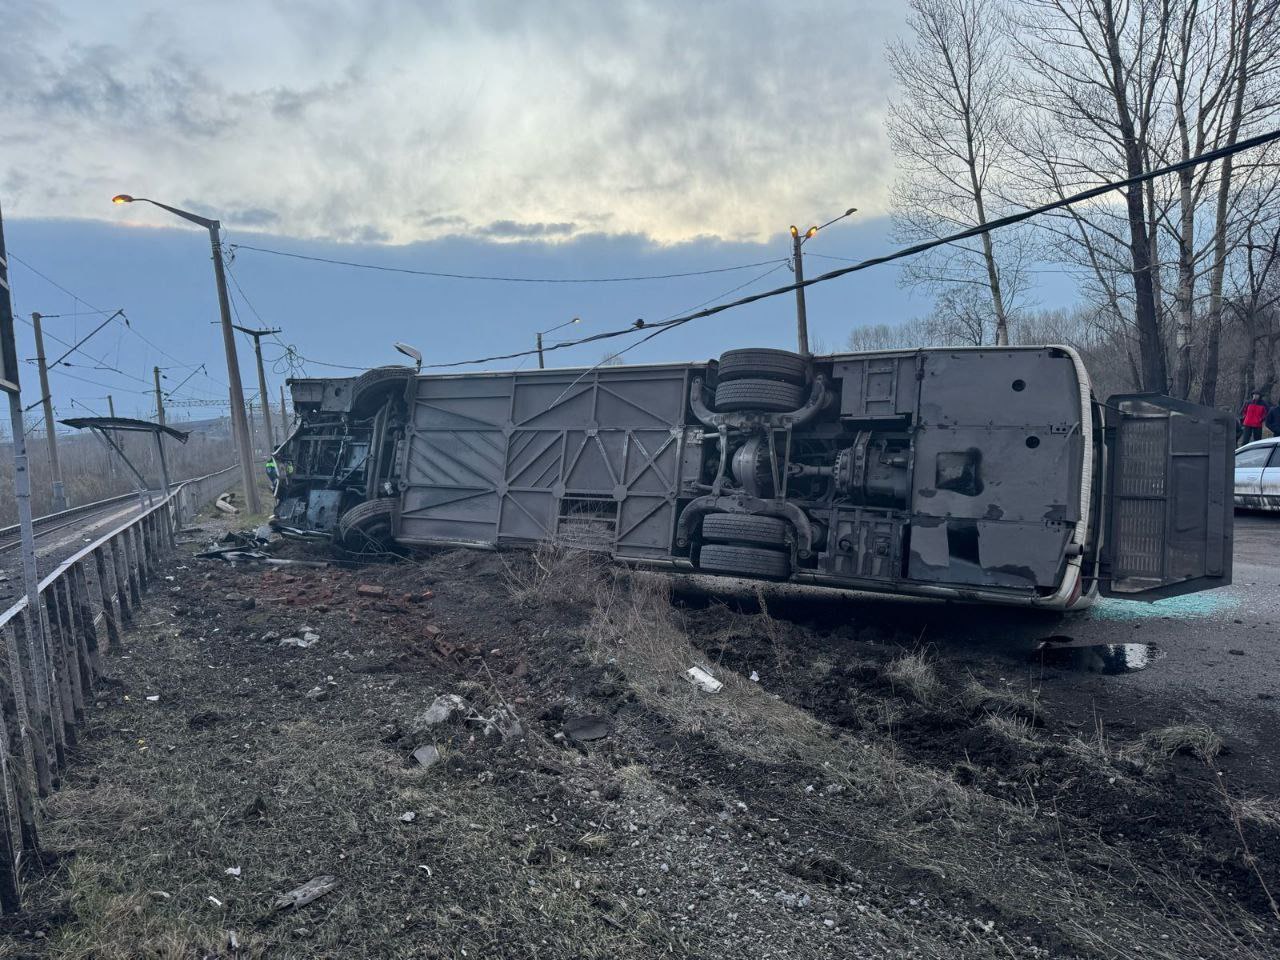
x: 550, y: 455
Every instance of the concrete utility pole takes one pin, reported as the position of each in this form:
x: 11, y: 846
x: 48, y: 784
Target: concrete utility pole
x: 111, y: 461
x: 37, y: 648
x: 46, y: 400
x: 284, y: 417
x: 159, y: 400
x: 262, y: 381
x: 797, y: 263
x: 541, y: 365
x: 239, y: 423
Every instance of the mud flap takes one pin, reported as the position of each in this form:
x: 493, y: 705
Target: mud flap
x: 1169, y: 504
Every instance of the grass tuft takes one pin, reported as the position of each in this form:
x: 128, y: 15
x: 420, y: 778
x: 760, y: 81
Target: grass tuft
x: 1190, y: 738
x: 916, y: 676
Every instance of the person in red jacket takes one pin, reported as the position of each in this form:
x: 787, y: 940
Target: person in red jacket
x: 1252, y: 415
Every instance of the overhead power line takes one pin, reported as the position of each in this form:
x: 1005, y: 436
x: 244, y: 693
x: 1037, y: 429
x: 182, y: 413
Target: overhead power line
x: 1248, y: 144
x: 501, y: 279
x: 98, y: 310
x: 654, y: 329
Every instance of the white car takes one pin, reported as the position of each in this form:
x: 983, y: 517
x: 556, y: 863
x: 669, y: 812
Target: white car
x: 1257, y: 480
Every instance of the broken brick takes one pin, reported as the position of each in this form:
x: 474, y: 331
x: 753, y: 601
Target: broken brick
x: 370, y: 590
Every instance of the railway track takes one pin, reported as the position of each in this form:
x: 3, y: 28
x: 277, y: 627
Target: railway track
x: 11, y: 537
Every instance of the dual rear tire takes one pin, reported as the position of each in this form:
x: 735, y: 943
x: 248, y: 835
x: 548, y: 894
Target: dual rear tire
x: 766, y: 381
x: 744, y: 545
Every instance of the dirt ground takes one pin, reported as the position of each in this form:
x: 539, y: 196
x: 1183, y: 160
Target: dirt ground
x: 844, y: 794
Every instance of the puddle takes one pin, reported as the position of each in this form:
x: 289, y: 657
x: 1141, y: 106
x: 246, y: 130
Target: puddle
x: 1107, y: 658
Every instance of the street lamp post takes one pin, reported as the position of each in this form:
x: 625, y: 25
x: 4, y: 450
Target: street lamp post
x: 541, y: 365
x: 239, y: 422
x: 797, y: 262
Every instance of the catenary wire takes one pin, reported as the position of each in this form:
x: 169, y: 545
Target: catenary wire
x: 501, y: 279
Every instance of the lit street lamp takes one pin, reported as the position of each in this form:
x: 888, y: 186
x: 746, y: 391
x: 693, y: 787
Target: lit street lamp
x: 541, y: 365
x: 797, y: 241
x: 239, y: 422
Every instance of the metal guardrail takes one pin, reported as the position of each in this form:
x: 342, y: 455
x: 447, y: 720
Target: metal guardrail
x: 51, y: 659
x: 11, y: 536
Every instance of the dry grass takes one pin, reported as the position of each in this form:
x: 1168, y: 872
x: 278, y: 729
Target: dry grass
x: 1013, y: 729
x: 553, y: 573
x: 1263, y: 811
x: 1189, y: 738
x: 1004, y: 701
x: 917, y: 677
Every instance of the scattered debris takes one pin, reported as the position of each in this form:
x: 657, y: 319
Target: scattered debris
x: 427, y: 756
x: 309, y: 638
x: 586, y: 728
x: 309, y: 891
x: 223, y: 503
x: 318, y: 693
x: 232, y: 871
x: 408, y: 816
x: 755, y: 677
x: 154, y: 698
x: 443, y: 709
x: 504, y: 723
x: 370, y: 590
x: 703, y: 680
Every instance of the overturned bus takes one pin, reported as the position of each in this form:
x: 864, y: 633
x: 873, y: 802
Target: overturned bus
x: 979, y: 474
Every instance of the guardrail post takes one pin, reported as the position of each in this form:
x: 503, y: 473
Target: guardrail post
x: 61, y: 668
x: 10, y: 838
x: 14, y: 758
x: 108, y: 609
x: 35, y: 635
x: 28, y: 740
x: 119, y: 564
x: 32, y: 719
x: 61, y: 592
x: 88, y: 633
x: 131, y: 565
x: 140, y: 565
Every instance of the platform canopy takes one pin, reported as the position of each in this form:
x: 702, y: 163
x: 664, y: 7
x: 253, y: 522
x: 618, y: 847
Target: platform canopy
x: 125, y: 424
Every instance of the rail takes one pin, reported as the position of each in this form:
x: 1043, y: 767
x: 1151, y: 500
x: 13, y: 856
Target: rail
x: 11, y: 536
x: 51, y: 656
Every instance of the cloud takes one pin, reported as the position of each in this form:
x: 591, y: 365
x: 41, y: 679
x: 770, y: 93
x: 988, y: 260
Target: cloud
x: 511, y: 229
x: 519, y: 121
x: 252, y: 217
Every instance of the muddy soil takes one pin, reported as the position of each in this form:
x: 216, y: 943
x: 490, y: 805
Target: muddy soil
x: 842, y: 795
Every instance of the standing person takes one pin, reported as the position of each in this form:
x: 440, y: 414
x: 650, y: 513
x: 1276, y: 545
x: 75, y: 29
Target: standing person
x: 273, y: 475
x: 1252, y: 415
x: 1273, y: 420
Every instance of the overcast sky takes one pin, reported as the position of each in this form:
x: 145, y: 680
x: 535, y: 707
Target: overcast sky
x: 401, y: 121
x: 564, y: 139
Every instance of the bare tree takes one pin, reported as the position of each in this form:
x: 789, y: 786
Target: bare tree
x: 1256, y: 57
x: 1095, y: 77
x: 948, y: 131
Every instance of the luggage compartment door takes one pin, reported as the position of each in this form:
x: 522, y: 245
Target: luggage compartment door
x: 1169, y: 508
